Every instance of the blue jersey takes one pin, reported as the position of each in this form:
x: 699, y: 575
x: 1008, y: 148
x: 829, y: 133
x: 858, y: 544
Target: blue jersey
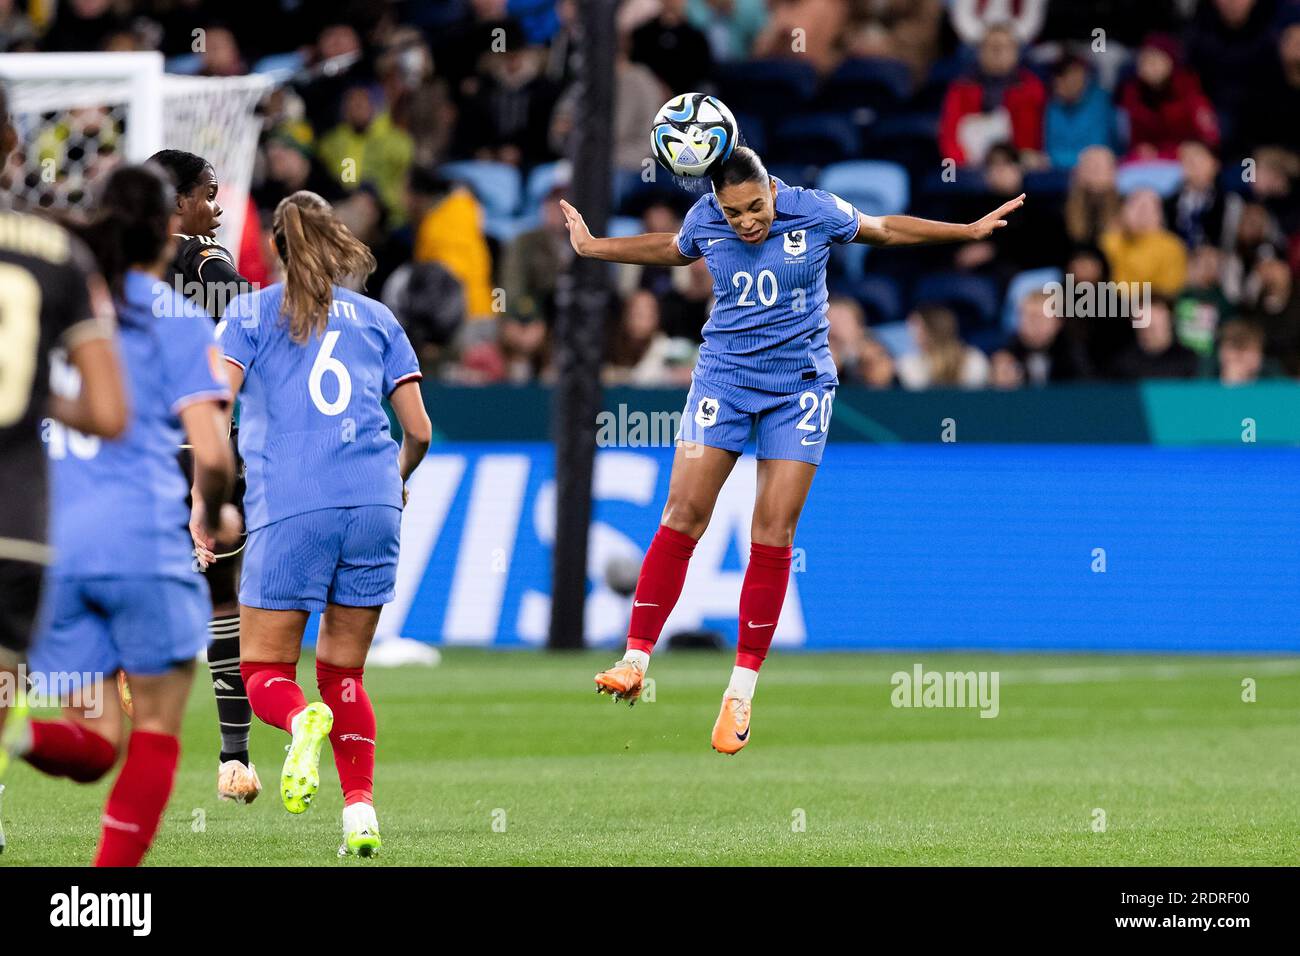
x: 768, y: 328
x: 312, y: 428
x: 119, y: 506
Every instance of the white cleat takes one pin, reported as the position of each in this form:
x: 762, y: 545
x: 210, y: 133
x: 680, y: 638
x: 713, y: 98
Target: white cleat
x: 360, y: 831
x: 238, y: 782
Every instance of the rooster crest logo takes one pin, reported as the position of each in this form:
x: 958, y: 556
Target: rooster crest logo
x: 707, y: 412
x: 795, y: 242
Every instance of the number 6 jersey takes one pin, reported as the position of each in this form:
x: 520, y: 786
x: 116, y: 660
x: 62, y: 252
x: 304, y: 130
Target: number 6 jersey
x: 312, y: 429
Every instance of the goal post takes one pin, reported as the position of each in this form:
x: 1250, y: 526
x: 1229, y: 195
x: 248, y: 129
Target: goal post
x: 80, y: 114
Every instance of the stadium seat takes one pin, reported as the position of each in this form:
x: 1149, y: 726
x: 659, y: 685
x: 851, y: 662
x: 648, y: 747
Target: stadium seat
x: 187, y: 64
x: 1162, y: 175
x: 896, y: 337
x: 795, y: 174
x: 283, y: 63
x: 819, y: 139
x: 974, y: 299
x: 1023, y: 283
x: 874, y: 187
x: 621, y: 226
x: 540, y: 181
x: 770, y: 88
x: 911, y: 139
x: 879, y: 295
x: 753, y: 131
x: 496, y: 185
x: 864, y: 88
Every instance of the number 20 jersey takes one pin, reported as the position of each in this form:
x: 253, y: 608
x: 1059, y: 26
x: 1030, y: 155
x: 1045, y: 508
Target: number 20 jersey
x: 768, y: 329
x: 312, y: 429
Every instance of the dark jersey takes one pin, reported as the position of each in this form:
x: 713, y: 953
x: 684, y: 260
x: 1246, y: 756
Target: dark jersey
x: 206, y: 274
x: 44, y: 304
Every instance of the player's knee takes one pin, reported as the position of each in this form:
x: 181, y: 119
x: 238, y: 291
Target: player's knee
x: 775, y: 532
x: 686, y: 516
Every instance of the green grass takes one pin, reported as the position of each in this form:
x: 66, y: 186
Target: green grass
x: 1186, y: 772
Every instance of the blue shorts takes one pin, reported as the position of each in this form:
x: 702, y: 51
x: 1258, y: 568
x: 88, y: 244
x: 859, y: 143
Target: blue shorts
x: 141, y: 624
x: 331, y: 556
x: 789, y: 426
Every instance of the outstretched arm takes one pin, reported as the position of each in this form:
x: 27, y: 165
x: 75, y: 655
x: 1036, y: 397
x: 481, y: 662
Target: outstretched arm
x: 648, y: 249
x: 910, y: 231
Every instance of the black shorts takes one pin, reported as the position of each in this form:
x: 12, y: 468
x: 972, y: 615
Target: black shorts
x: 20, y: 599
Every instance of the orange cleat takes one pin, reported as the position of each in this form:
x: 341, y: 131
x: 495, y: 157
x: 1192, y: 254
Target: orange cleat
x: 731, y: 731
x: 623, y: 681
x: 124, y: 694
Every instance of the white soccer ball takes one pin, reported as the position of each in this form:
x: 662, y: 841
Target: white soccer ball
x: 691, y: 133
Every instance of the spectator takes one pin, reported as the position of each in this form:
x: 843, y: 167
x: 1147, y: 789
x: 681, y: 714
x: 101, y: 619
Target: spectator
x: 1256, y: 237
x: 641, y: 354
x: 508, y: 118
x: 429, y: 302
x: 1202, y: 306
x: 221, y: 55
x: 1272, y: 302
x: 1078, y: 115
x: 822, y: 26
x: 290, y: 166
x: 971, y: 19
x: 1157, y: 352
x: 1196, y: 211
x: 906, y: 30
x: 1241, y: 353
x: 1093, y: 202
x: 448, y: 225
x: 1228, y: 43
x: 875, y: 367
x: 17, y: 32
x: 83, y: 25
x: 1272, y: 186
x: 1278, y: 94
x: 534, y: 260
x: 673, y: 49
x: 1140, y: 249
x: 941, y: 359
x: 1038, y: 352
x: 337, y: 64
x: 731, y: 26
x: 1102, y: 338
x: 367, y: 146
x: 524, y: 343
x: 1000, y: 100
x: 1164, y: 103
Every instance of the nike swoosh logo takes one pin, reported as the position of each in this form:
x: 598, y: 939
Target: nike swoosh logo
x: 804, y: 441
x: 712, y: 241
x: 643, y: 604
x: 744, y: 736
x: 752, y: 624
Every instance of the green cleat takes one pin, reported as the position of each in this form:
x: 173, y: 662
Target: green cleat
x: 300, y: 778
x: 360, y: 831
x: 14, y: 740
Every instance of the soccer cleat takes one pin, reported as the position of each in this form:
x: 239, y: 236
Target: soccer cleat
x: 360, y: 831
x: 124, y: 694
x: 731, y: 731
x: 15, y: 739
x: 623, y: 681
x: 238, y: 782
x: 300, y: 778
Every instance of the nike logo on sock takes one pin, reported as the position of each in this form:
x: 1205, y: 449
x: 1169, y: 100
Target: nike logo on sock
x: 752, y: 624
x: 643, y: 604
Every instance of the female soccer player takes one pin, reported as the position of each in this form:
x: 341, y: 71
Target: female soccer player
x: 123, y: 595
x: 312, y: 363
x: 765, y: 363
x: 203, y: 270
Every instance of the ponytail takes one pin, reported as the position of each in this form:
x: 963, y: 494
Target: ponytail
x: 318, y: 253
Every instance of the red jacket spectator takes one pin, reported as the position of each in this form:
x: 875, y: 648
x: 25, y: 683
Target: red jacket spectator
x: 1024, y: 99
x: 1164, y: 103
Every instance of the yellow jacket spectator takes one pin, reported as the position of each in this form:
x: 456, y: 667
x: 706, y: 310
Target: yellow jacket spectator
x: 1141, y: 249
x: 367, y: 147
x: 448, y: 223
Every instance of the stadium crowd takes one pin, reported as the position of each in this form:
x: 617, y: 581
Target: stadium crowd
x: 1157, y: 141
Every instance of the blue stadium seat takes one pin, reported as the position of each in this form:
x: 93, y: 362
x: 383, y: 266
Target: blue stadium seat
x: 876, y: 188
x: 896, y: 337
x: 1162, y: 175
x: 866, y: 87
x: 795, y: 174
x: 621, y: 226
x: 818, y: 140
x: 975, y: 299
x: 911, y: 139
x: 1023, y: 283
x: 770, y: 88
x: 540, y: 180
x: 879, y: 295
x: 187, y: 64
x: 496, y: 185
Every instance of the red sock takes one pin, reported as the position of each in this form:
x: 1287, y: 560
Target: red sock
x: 138, y: 798
x: 353, y: 736
x: 761, y: 597
x: 658, y: 587
x: 273, y: 693
x: 62, y: 748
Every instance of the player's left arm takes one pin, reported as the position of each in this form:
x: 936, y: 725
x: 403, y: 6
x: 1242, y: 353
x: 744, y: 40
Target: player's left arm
x: 910, y: 231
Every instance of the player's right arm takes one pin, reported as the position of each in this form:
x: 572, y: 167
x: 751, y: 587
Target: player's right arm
x: 417, y: 430
x: 214, y: 465
x: 648, y: 249
x: 100, y: 408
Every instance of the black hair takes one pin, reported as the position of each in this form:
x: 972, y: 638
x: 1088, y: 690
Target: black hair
x: 184, y: 168
x: 129, y: 226
x: 742, y: 166
x: 427, y: 181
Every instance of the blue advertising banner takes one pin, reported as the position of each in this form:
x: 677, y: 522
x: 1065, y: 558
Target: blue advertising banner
x: 1113, y: 548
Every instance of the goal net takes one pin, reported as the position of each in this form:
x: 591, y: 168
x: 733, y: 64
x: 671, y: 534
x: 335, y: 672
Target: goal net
x: 80, y: 114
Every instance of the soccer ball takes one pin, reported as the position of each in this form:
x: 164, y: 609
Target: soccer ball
x: 691, y: 133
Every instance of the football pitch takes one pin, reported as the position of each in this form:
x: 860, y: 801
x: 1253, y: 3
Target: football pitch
x: 509, y: 758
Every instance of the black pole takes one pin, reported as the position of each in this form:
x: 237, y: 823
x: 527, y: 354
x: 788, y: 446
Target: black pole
x: 584, y: 296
